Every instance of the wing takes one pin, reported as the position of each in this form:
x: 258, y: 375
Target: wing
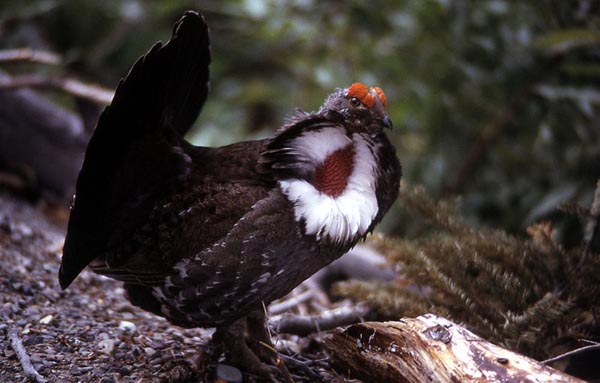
x: 188, y: 217
x: 263, y: 257
x: 136, y: 148
x: 223, y: 281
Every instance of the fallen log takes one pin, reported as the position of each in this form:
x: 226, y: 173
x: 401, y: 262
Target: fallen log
x: 429, y: 349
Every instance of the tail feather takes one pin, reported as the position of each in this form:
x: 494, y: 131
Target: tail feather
x: 135, y: 146
x: 167, y: 87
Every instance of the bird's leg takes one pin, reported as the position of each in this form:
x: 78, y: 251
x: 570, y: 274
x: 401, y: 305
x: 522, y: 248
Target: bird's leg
x: 237, y: 351
x: 260, y: 341
x: 259, y: 338
x: 206, y: 360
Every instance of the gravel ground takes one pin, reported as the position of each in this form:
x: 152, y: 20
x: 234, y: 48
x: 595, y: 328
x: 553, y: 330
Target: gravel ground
x: 88, y: 333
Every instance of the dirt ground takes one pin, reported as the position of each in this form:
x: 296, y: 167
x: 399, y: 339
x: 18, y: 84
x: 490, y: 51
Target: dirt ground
x: 88, y: 333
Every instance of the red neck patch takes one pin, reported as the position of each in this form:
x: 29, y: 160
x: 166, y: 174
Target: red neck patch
x: 331, y: 177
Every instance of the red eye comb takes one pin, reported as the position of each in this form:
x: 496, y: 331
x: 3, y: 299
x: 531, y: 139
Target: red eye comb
x: 366, y: 95
x: 380, y: 94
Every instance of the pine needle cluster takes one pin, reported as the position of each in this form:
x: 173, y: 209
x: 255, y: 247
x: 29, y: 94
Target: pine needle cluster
x: 527, y: 293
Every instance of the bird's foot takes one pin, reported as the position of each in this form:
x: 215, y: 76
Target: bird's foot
x: 260, y: 342
x: 256, y: 355
x: 206, y: 361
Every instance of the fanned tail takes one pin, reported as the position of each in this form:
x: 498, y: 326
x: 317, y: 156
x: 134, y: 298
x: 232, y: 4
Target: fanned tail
x: 136, y: 146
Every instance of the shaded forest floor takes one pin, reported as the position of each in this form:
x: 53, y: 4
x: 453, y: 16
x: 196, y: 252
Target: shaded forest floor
x: 88, y: 333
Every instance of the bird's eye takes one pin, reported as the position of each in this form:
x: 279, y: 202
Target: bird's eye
x: 354, y: 101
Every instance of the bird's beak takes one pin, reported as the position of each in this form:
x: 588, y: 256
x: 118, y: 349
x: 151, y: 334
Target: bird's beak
x: 387, y: 122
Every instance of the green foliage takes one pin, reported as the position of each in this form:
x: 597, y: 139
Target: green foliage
x: 530, y: 294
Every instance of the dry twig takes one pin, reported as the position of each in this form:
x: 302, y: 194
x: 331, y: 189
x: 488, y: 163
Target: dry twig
x: 303, y: 325
x: 591, y: 227
x: 278, y: 308
x: 72, y: 86
x: 28, y: 54
x: 580, y: 350
x: 28, y: 368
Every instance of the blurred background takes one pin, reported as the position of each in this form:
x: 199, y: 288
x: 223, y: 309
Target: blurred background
x: 497, y: 102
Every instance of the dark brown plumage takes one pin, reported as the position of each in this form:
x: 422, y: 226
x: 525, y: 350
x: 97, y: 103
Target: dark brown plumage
x: 203, y: 236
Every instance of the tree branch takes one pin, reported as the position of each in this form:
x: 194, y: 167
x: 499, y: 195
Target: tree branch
x: 303, y: 325
x: 72, y: 86
x: 278, y: 308
x: 28, y: 54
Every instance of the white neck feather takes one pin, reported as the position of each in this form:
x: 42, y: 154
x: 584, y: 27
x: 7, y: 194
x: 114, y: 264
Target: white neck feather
x: 350, y: 214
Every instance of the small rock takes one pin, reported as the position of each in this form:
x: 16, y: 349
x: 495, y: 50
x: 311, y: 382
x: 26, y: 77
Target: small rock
x: 80, y: 370
x: 149, y: 351
x: 127, y: 326
x: 122, y: 370
x: 31, y: 340
x: 23, y: 229
x: 106, y: 346
x: 47, y: 319
x: 50, y: 294
x: 39, y: 367
x: 28, y: 290
x: 102, y: 336
x: 156, y: 344
x: 5, y: 224
x: 161, y: 358
x: 228, y: 373
x: 36, y: 358
x: 7, y: 309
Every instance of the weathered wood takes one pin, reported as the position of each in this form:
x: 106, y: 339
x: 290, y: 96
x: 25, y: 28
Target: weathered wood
x: 429, y: 349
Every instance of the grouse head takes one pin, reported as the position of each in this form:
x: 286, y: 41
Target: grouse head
x: 337, y: 166
x: 362, y: 108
